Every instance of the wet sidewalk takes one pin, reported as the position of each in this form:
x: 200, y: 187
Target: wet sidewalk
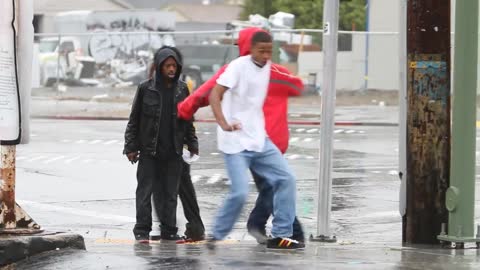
x: 249, y: 255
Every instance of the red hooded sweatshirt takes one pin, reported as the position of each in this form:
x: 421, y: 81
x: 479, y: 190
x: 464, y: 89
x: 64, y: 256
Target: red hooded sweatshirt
x: 282, y: 84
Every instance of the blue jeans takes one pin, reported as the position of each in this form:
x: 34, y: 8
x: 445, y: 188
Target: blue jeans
x: 268, y: 164
x: 264, y: 208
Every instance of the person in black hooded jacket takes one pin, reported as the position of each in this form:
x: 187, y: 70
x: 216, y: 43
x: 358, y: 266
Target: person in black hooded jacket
x: 194, y: 228
x: 154, y: 136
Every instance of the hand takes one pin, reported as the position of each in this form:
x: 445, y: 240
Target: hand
x: 133, y: 157
x: 230, y: 128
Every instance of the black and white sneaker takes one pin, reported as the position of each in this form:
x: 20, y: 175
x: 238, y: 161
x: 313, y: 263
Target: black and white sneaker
x: 284, y: 243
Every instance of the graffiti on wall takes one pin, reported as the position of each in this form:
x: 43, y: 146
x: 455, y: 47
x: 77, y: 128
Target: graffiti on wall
x: 104, y: 47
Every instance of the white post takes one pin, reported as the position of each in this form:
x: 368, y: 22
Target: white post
x: 324, y: 196
x: 25, y: 63
x: 9, y: 107
x: 402, y: 114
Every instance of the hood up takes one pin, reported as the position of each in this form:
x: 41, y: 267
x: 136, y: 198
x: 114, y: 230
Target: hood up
x: 160, y: 57
x: 245, y: 39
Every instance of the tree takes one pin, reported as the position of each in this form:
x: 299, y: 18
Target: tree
x: 262, y: 7
x: 352, y: 15
x: 309, y: 13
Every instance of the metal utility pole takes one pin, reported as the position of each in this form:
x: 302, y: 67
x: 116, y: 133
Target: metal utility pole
x: 7, y: 188
x: 15, y: 54
x: 460, y: 197
x: 12, y: 218
x: 428, y: 119
x: 324, y: 195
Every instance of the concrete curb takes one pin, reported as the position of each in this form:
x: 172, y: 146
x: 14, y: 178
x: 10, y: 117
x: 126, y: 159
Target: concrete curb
x: 294, y: 122
x: 74, y: 117
x: 14, y: 248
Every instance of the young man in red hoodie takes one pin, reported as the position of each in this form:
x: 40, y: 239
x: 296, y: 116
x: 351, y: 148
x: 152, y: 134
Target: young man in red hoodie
x: 282, y: 85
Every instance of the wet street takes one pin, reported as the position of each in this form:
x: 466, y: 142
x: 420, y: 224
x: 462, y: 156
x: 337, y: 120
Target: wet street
x: 73, y: 177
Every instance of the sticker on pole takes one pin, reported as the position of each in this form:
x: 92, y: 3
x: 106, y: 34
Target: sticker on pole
x: 9, y: 94
x: 326, y: 28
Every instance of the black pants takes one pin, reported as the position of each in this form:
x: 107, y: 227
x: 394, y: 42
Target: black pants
x: 194, y: 228
x: 264, y: 208
x: 160, y: 177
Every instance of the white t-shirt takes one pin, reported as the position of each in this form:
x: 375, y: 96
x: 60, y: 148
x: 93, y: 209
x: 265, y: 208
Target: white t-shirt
x: 243, y: 103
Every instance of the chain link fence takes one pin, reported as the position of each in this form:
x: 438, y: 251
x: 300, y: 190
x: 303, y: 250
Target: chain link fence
x: 104, y: 59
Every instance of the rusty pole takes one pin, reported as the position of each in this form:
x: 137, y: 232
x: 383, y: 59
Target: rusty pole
x: 7, y: 187
x: 428, y: 119
x: 13, y: 219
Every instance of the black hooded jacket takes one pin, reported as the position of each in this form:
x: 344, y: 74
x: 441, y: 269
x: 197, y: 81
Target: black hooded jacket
x: 143, y: 128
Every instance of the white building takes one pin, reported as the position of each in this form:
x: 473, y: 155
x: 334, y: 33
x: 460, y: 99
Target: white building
x: 374, y: 68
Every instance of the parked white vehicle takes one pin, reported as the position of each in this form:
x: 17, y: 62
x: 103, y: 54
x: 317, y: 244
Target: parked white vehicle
x: 57, y: 56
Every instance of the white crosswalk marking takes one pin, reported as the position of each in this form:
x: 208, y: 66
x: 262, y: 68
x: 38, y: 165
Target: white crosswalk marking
x: 393, y: 172
x: 95, y: 142
x: 294, y: 156
x: 350, y: 131
x: 72, y: 159
x: 307, y: 139
x: 294, y: 139
x: 313, y: 130
x: 66, y: 141
x: 80, y: 141
x: 300, y: 130
x: 53, y: 159
x: 214, y: 154
x: 37, y: 158
x: 336, y: 131
x: 110, y: 142
x: 214, y: 179
x: 196, y: 178
x: 207, y: 133
x: 87, y: 160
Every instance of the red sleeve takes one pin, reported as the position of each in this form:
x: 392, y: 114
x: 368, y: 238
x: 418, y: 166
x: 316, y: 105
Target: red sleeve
x: 199, y: 98
x: 281, y: 76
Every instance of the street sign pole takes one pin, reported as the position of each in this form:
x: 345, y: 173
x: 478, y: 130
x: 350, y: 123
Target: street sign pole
x: 324, y: 195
